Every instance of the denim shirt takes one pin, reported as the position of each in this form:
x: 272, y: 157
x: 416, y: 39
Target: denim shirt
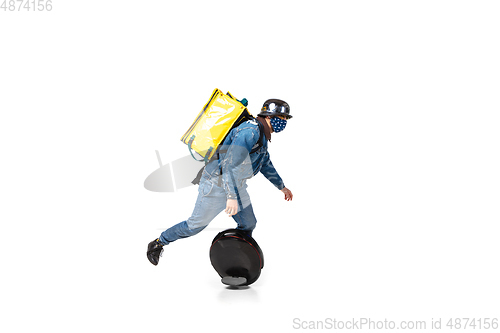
x: 238, y: 164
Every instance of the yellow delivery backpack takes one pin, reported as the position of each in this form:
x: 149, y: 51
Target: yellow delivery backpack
x: 220, y: 114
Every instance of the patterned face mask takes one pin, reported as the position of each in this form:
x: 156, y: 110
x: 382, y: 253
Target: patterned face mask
x: 278, y: 124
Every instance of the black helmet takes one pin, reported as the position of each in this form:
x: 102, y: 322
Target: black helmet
x: 275, y: 107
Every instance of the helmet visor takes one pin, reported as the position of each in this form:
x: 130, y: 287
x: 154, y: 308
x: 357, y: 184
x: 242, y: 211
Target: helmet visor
x: 276, y: 109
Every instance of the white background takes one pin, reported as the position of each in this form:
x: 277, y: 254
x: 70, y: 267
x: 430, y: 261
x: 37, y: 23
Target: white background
x: 392, y: 157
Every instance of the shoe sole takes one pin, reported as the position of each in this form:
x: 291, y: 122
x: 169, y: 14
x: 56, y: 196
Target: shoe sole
x: 151, y: 260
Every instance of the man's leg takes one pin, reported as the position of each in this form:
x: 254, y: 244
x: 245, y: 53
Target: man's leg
x: 211, y: 201
x: 245, y: 218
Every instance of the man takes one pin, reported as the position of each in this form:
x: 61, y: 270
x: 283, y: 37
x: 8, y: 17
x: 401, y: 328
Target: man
x: 242, y: 155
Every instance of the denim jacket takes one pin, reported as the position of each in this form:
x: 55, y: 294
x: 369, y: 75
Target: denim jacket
x: 238, y: 164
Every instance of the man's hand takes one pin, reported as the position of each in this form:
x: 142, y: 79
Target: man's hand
x: 288, y: 194
x: 231, y: 207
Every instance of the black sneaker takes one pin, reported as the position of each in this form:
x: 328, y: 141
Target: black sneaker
x: 155, y: 249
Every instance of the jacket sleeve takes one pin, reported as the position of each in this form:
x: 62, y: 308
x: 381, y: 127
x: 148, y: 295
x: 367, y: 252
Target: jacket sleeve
x: 270, y: 173
x: 234, y: 161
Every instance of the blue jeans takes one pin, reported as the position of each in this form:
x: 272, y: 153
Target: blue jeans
x: 211, y: 201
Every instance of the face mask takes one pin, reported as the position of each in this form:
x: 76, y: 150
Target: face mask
x: 278, y: 124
